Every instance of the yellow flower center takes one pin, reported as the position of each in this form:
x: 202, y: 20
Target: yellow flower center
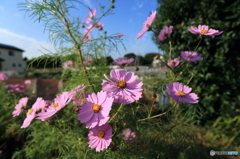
x: 30, y: 111
x: 204, y: 31
x: 173, y: 63
x: 121, y: 84
x: 83, y: 100
x: 181, y: 94
x: 96, y: 108
x: 101, y: 134
x: 190, y: 56
x: 128, y: 136
x: 55, y: 105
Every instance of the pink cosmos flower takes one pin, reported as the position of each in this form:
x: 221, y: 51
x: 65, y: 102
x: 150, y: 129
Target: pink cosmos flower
x: 39, y: 105
x: 17, y: 88
x: 123, y: 62
x: 173, y: 63
x: 20, y: 106
x: 59, y: 102
x: 79, y: 100
x: 86, y: 34
x: 123, y: 86
x: 119, y: 35
x: 165, y: 32
x: 128, y: 135
x: 77, y: 90
x: 100, y: 137
x: 204, y: 30
x: 27, y: 82
x: 98, y: 25
x: 67, y: 64
x: 96, y: 110
x: 147, y: 24
x: 3, y: 77
x: 190, y: 56
x: 91, y: 13
x: 181, y: 93
x: 88, y: 61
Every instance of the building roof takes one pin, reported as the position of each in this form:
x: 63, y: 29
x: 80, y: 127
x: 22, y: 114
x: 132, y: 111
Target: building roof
x: 10, y: 47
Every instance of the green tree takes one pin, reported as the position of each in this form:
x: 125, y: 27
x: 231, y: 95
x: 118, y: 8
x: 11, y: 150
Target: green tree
x: 129, y: 55
x: 149, y: 58
x: 217, y: 81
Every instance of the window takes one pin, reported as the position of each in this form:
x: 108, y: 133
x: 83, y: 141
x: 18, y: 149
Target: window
x: 13, y: 64
x: 10, y: 53
x: 19, y: 65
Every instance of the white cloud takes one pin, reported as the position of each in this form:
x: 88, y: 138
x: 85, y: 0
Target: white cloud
x: 139, y: 4
x: 88, y: 3
x: 30, y: 45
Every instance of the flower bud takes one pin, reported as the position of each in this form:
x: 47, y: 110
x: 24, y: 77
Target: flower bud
x: 136, y: 68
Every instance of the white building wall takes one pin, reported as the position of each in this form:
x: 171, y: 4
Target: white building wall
x: 12, y: 61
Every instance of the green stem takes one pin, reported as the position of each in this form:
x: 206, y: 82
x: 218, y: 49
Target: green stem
x: 120, y: 107
x: 152, y: 117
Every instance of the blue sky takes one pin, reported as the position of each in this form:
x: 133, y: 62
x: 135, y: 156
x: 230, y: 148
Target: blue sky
x: 18, y: 29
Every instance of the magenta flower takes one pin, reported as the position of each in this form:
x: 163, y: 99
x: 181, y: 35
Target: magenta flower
x: 165, y: 32
x: 181, y: 93
x: 96, y: 110
x: 173, y: 63
x: 128, y: 135
x: 59, y: 102
x: 91, y: 13
x: 17, y: 88
x: 67, y: 64
x: 39, y: 105
x: 147, y: 24
x: 204, y: 30
x: 100, y: 137
x: 119, y: 35
x: 190, y: 56
x: 123, y: 62
x: 3, y: 77
x: 20, y: 106
x: 123, y: 86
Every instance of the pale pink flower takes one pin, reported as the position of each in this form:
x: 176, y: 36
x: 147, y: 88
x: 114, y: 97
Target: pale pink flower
x: 88, y: 61
x: 147, y: 24
x: 128, y: 135
x: 173, y: 63
x: 86, y: 34
x: 67, y: 64
x: 27, y: 82
x: 165, y: 32
x: 3, y: 77
x: 20, y: 106
x: 181, y: 93
x: 119, y: 35
x: 204, y: 30
x: 96, y: 110
x: 123, y: 62
x: 59, y: 102
x: 123, y: 86
x: 100, y: 137
x: 81, y: 99
x: 98, y: 25
x: 190, y: 56
x: 39, y: 105
x: 91, y: 13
